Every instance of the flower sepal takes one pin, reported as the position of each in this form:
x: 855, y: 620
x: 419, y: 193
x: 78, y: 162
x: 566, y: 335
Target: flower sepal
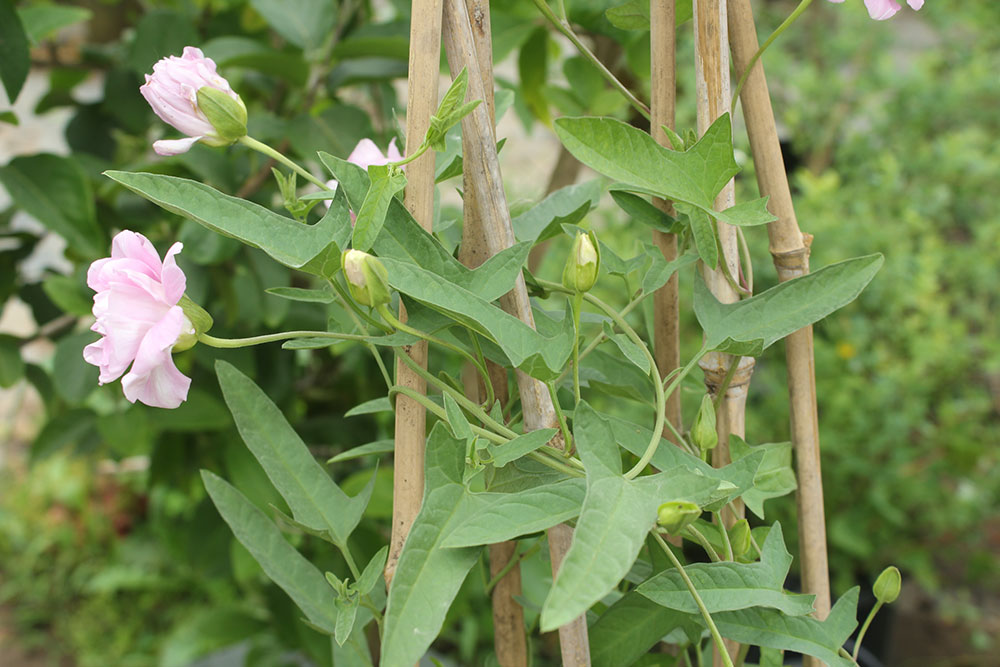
x: 196, y: 322
x: 228, y: 115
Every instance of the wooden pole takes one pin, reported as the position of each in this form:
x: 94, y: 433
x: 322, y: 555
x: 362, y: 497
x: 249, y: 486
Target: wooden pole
x: 410, y: 429
x: 509, y: 641
x: 666, y: 307
x: 713, y: 95
x: 482, y: 168
x: 790, y: 250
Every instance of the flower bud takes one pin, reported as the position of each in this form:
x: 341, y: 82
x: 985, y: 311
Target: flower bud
x: 367, y: 278
x: 739, y: 537
x: 227, y: 115
x: 703, y: 432
x: 196, y: 322
x: 583, y: 263
x: 886, y: 588
x: 677, y: 515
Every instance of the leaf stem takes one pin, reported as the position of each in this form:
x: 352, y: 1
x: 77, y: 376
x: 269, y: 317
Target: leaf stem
x: 261, y: 147
x: 725, y: 536
x: 719, y: 643
x: 864, y: 629
x: 564, y: 27
x: 577, y: 307
x: 567, y: 439
x: 511, y: 564
x: 230, y: 343
x: 700, y: 538
x: 763, y: 47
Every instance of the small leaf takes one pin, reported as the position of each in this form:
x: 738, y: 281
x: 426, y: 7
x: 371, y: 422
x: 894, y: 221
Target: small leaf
x: 631, y: 351
x: 347, y: 610
x: 373, y: 406
x: 703, y: 230
x: 373, y: 571
x: 456, y: 419
x: 386, y: 181
x: 532, y: 66
x: 520, y: 446
x: 566, y: 205
x: 11, y: 364
x: 660, y: 270
x: 642, y: 211
x: 15, y: 58
x: 370, y: 449
x: 40, y: 21
x: 633, y: 15
x: 630, y: 628
x: 324, y: 295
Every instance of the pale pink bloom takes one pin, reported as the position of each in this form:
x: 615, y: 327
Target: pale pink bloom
x: 139, y: 320
x: 172, y: 91
x: 881, y: 10
x: 366, y: 154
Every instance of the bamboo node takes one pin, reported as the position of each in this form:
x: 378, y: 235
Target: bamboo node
x: 793, y: 263
x: 716, y: 367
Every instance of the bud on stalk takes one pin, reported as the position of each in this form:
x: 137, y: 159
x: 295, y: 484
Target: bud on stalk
x: 367, y: 279
x: 583, y: 263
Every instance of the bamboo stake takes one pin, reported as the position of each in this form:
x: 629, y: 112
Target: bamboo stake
x: 712, y: 86
x: 483, y: 169
x: 509, y: 641
x: 790, y: 249
x: 666, y: 307
x: 410, y: 429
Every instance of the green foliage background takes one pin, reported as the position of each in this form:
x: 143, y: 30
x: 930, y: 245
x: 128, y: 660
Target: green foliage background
x: 891, y: 131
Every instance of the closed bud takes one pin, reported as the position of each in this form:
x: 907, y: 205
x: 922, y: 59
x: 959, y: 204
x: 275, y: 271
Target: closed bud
x: 196, y: 322
x: 227, y: 114
x: 367, y: 278
x: 583, y: 263
x: 703, y: 432
x: 886, y: 588
x: 677, y: 515
x: 739, y: 537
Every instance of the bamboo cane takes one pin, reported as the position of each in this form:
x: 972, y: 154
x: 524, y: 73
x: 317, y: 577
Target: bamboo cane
x: 712, y: 87
x: 509, y: 640
x: 483, y: 169
x: 410, y: 429
x: 790, y: 249
x: 666, y: 309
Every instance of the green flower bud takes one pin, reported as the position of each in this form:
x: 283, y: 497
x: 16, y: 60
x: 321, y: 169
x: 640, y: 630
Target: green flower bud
x: 367, y: 278
x: 227, y: 115
x: 739, y: 537
x: 887, y: 585
x: 677, y: 515
x: 198, y: 321
x: 583, y: 263
x: 703, y: 432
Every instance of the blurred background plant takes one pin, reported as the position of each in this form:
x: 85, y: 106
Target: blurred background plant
x: 110, y: 552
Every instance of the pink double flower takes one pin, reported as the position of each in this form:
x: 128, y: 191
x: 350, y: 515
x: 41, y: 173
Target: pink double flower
x: 881, y: 10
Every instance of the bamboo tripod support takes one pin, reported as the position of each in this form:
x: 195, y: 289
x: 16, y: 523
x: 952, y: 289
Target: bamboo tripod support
x: 410, y: 428
x: 663, y: 101
x: 509, y: 640
x: 712, y: 87
x: 482, y: 168
x: 790, y: 249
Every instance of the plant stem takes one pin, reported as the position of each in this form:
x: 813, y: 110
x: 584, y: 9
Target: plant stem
x: 230, y: 343
x: 567, y: 449
x: 719, y: 643
x: 864, y: 629
x: 563, y: 26
x: 763, y: 47
x: 354, y: 310
x: 410, y: 158
x: 405, y: 328
x: 577, y: 307
x: 725, y: 536
x: 511, y: 564
x: 700, y: 538
x: 724, y: 387
x: 261, y: 147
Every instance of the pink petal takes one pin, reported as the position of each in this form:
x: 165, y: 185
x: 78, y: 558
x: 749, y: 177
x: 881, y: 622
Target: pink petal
x: 129, y: 245
x: 168, y: 147
x: 881, y: 10
x: 393, y: 152
x: 172, y: 277
x: 365, y: 154
x: 916, y: 5
x: 154, y: 379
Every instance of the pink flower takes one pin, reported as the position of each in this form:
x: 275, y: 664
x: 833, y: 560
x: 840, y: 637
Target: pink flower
x: 881, y: 10
x: 365, y: 154
x: 139, y: 320
x: 172, y: 91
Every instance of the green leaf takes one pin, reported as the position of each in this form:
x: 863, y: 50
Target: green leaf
x: 324, y: 295
x: 15, y: 58
x: 660, y: 270
x: 9, y: 117
x: 643, y: 211
x: 382, y: 404
x: 526, y: 348
x: 750, y: 326
x: 56, y: 191
x: 504, y: 516
x: 775, y: 477
x: 386, y: 181
x: 616, y: 516
x: 69, y: 293
x: 158, y: 34
x: 306, y: 25
x: 633, y: 15
x: 347, y: 611
x: 427, y: 576
x: 307, y: 247
x: 370, y: 449
x: 726, y: 586
x: 456, y: 419
x: 631, y: 351
x: 11, y: 364
x: 280, y: 561
x: 770, y: 628
x: 234, y: 51
x: 566, y: 205
x: 76, y: 378
x: 520, y: 446
x: 605, y: 372
x: 532, y: 66
x: 316, y: 501
x: 372, y: 573
x: 630, y: 628
x: 40, y: 21
x: 703, y: 231
x: 633, y: 157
